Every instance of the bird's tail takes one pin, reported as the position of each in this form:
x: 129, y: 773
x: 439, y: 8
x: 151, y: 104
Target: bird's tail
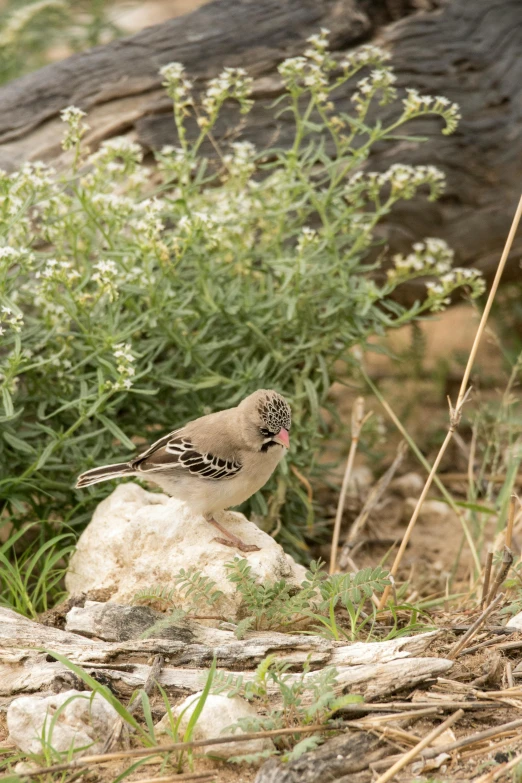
x: 105, y: 473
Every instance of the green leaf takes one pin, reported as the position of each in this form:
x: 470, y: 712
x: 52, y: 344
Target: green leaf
x: 113, y: 428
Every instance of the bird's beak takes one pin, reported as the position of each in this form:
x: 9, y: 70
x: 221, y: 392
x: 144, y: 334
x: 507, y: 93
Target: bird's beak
x: 283, y: 438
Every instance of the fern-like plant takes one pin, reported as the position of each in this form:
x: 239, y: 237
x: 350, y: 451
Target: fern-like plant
x: 280, y: 605
x: 301, y: 699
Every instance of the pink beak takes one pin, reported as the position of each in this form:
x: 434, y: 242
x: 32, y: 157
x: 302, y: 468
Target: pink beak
x: 283, y: 438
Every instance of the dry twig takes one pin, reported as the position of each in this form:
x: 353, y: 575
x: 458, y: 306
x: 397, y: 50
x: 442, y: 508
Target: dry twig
x: 487, y: 577
x: 507, y: 560
x: 358, y: 422
x: 472, y: 630
x: 411, y: 754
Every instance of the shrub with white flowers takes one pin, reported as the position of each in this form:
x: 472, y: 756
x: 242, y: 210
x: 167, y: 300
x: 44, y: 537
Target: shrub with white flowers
x: 134, y: 298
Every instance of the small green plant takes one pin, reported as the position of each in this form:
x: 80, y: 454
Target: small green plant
x: 32, y: 570
x: 282, y: 606
x: 190, y: 586
x: 303, y: 699
x: 337, y: 606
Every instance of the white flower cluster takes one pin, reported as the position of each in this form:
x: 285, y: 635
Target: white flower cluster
x: 240, y: 162
x: 113, y: 207
x: 365, y: 56
x: 435, y: 257
x: 403, y: 179
x: 177, y: 85
x: 125, y: 366
x: 56, y: 271
x: 439, y: 292
x: 116, y: 158
x: 106, y: 278
x: 8, y: 256
x: 431, y: 257
x: 175, y: 163
x: 312, y: 69
x: 231, y: 83
x: 415, y: 104
x: 72, y: 116
x: 380, y: 81
x: 8, y: 318
x: 307, y: 238
x: 149, y: 224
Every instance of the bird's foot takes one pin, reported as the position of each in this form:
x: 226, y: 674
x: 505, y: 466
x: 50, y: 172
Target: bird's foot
x: 238, y: 544
x: 231, y: 539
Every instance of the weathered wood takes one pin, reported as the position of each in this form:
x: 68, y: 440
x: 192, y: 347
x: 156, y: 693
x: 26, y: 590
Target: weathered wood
x: 191, y: 644
x: 35, y: 672
x: 26, y: 667
x: 466, y: 51
x: 347, y: 755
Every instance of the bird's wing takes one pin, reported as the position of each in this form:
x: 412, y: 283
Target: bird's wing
x: 176, y: 451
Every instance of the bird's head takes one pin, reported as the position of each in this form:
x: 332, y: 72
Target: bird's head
x: 265, y: 419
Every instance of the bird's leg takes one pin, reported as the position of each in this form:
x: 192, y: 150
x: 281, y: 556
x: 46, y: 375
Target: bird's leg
x: 231, y: 539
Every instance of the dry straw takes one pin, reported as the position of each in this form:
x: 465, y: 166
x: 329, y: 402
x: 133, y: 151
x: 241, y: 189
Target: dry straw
x: 456, y: 412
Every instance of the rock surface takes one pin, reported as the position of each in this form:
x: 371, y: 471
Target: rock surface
x: 138, y: 539
x: 432, y: 513
x: 219, y: 713
x: 84, y: 721
x: 515, y: 621
x: 410, y: 485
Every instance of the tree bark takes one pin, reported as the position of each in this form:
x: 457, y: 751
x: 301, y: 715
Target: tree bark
x: 469, y: 52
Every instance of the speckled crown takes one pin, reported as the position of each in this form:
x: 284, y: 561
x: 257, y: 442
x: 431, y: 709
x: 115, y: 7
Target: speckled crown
x: 275, y: 412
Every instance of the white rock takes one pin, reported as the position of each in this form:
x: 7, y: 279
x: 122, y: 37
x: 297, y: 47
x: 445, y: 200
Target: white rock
x: 361, y: 479
x: 137, y: 539
x: 218, y: 714
x: 85, y: 720
x: 515, y: 621
x: 408, y: 486
x: 433, y: 512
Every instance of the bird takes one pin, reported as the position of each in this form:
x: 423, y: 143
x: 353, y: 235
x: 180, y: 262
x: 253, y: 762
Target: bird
x: 216, y: 461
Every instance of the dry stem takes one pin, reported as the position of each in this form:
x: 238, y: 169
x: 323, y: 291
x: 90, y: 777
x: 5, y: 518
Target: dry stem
x: 358, y: 421
x: 410, y: 755
x: 472, y: 630
x: 487, y: 577
x: 456, y: 412
x: 507, y: 560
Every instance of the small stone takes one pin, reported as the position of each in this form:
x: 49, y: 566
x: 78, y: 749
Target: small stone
x: 138, y: 539
x: 218, y: 714
x: 361, y: 480
x: 84, y: 721
x: 515, y: 621
x: 432, y: 513
x: 408, y: 486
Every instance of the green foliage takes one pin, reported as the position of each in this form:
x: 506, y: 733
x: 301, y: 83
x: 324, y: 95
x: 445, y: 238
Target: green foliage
x: 305, y: 699
x: 196, y: 591
x: 32, y: 569
x: 337, y: 606
x: 133, y: 300
x: 29, y: 30
x: 281, y: 606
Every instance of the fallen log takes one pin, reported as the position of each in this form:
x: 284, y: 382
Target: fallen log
x: 468, y: 52
x: 27, y: 665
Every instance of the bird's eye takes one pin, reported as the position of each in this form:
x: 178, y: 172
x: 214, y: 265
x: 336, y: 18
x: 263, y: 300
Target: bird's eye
x: 266, y: 433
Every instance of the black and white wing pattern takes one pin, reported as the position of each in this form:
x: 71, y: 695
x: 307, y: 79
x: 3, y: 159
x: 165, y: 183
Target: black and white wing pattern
x: 177, y: 451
